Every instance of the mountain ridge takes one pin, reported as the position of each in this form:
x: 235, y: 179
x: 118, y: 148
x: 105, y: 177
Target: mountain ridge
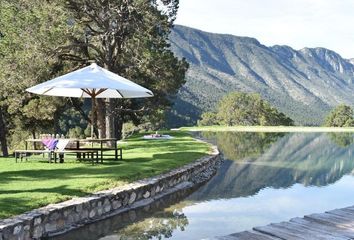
x: 305, y: 84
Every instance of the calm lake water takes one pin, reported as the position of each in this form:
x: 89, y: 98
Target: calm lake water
x: 265, y: 178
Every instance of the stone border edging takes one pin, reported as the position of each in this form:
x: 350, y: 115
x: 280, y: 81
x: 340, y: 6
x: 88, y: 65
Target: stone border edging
x: 61, y: 217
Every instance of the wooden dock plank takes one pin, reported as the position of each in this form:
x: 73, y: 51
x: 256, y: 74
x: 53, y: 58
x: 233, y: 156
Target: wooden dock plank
x: 329, y: 229
x: 348, y: 209
x: 276, y: 231
x: 331, y: 219
x: 308, y: 233
x: 336, y: 224
x: 251, y: 235
x: 342, y: 213
x: 290, y: 230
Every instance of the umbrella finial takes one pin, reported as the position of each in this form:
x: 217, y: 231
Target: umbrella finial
x: 94, y: 65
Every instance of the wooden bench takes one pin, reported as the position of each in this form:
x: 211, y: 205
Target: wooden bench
x: 118, y: 152
x: 91, y: 153
x: 23, y: 153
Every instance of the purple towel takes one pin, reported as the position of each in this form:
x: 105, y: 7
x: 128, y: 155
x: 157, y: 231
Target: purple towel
x: 50, y: 143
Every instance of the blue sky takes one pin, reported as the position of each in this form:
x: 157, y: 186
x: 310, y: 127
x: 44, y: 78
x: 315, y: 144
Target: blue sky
x: 297, y: 23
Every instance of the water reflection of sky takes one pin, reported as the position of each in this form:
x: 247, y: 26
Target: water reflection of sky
x: 226, y: 216
x: 265, y: 178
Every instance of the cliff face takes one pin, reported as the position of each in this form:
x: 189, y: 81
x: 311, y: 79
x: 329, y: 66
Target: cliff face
x: 304, y: 84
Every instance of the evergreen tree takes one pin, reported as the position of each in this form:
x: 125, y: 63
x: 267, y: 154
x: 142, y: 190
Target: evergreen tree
x: 129, y: 38
x: 208, y: 119
x: 341, y: 116
x: 28, y: 29
x: 246, y: 109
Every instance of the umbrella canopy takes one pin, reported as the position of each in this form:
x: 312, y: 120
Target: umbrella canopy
x: 91, y: 81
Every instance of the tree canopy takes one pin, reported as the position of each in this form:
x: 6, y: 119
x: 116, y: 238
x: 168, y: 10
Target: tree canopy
x: 129, y: 38
x: 28, y: 30
x: 239, y: 108
x: 40, y: 40
x: 341, y: 116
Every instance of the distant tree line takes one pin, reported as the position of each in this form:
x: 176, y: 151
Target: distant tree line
x: 244, y: 109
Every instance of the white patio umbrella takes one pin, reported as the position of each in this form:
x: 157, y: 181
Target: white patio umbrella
x: 91, y: 82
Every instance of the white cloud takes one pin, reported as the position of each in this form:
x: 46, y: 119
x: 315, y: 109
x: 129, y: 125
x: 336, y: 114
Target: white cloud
x: 297, y: 23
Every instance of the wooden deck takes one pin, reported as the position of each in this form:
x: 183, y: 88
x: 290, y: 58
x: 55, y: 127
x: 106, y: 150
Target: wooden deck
x: 336, y: 224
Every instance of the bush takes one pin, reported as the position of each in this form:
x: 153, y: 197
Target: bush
x: 128, y: 129
x: 245, y: 109
x: 341, y: 116
x: 76, y: 132
x: 208, y: 119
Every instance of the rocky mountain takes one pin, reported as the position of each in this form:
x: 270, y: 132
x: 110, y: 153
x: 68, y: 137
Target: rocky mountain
x: 305, y: 84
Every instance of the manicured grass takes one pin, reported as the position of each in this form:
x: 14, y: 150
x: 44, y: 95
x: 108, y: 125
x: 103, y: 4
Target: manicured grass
x: 28, y: 185
x: 268, y: 129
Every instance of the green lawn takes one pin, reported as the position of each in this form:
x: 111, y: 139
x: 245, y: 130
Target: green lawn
x: 28, y: 185
x: 269, y: 129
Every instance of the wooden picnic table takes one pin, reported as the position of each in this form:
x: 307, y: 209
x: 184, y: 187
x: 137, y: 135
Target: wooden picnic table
x: 100, y: 141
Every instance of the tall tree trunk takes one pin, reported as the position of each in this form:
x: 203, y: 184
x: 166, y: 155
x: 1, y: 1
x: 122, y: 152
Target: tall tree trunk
x: 109, y: 119
x: 56, y: 127
x: 109, y: 107
x: 101, y: 118
x: 94, y: 130
x: 33, y: 132
x: 118, y: 123
x: 3, y: 141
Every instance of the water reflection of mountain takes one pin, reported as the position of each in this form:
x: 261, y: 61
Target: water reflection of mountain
x: 159, y: 220
x: 277, y: 161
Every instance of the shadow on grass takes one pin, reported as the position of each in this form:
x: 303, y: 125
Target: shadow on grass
x: 121, y: 170
x: 11, y: 204
x: 176, y: 148
x: 14, y: 205
x: 62, y: 190
x: 104, y: 171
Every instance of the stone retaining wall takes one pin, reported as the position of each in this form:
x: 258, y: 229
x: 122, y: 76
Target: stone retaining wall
x: 76, y: 212
x: 109, y: 226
